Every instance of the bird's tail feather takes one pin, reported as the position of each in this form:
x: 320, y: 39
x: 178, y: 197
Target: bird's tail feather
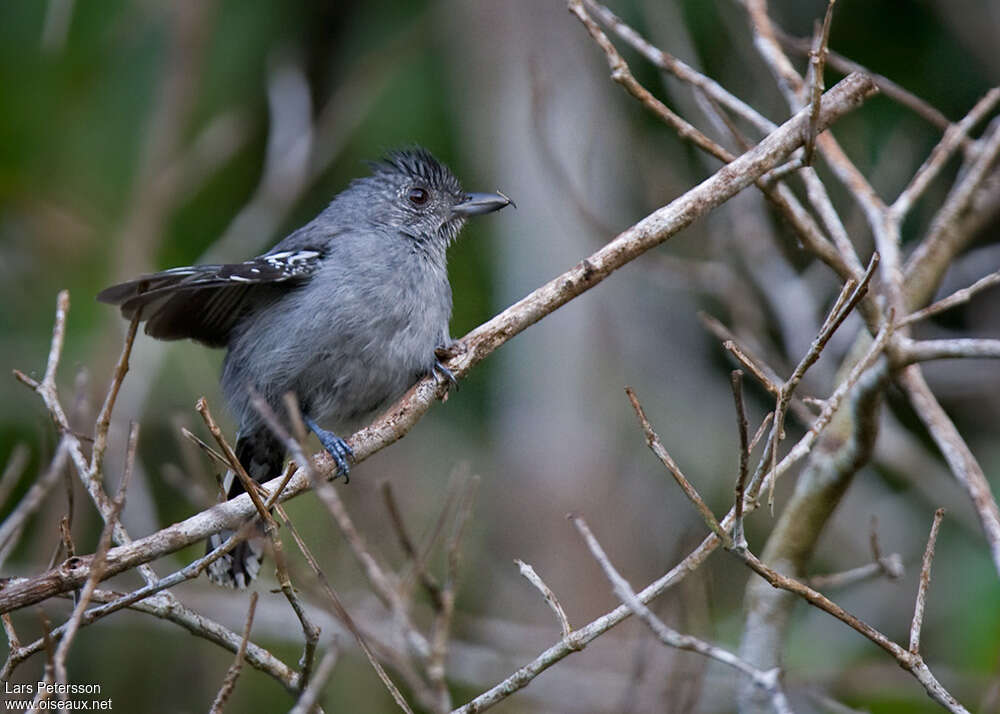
x: 240, y: 566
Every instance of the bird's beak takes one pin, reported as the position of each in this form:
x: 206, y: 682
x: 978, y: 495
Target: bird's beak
x: 479, y: 203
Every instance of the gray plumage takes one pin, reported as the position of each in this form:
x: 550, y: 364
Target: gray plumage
x: 346, y: 313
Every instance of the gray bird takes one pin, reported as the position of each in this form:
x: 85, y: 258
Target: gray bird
x: 346, y: 313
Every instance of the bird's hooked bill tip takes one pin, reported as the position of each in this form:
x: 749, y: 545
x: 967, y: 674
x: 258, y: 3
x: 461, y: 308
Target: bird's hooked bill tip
x: 478, y: 203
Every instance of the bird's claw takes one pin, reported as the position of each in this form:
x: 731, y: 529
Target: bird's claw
x: 340, y: 451
x: 443, y: 374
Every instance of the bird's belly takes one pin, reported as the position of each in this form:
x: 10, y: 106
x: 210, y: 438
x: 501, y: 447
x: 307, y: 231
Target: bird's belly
x: 354, y: 376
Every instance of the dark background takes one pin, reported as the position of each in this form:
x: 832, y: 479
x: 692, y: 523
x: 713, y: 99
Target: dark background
x: 134, y: 138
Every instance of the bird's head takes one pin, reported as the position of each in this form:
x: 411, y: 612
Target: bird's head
x: 414, y: 193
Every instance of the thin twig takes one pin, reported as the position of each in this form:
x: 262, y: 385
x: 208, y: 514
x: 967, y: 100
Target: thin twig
x: 104, y: 418
x: 341, y: 611
x: 890, y: 89
x: 736, y: 382
x: 954, y: 136
x: 229, y: 683
x: 849, y: 297
x: 550, y: 597
x: 844, y: 262
x: 761, y: 430
x: 656, y: 446
x: 843, y: 259
x: 215, y: 455
x: 307, y: 701
x: 925, y: 580
x: 912, y: 351
x: 891, y: 566
x: 756, y: 365
x: 957, y: 454
x: 748, y: 361
x: 817, y: 63
x: 621, y: 74
x: 958, y: 297
x: 327, y: 495
x: 928, y: 261
x: 249, y: 485
x: 310, y: 632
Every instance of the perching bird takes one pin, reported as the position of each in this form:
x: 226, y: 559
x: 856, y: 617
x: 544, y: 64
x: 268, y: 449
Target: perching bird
x: 345, y: 313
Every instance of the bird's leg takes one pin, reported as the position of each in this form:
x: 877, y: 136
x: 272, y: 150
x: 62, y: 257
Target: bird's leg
x: 439, y: 371
x: 336, y: 447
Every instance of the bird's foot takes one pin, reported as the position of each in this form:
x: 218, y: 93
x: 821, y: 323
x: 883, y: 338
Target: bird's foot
x: 338, y: 449
x: 443, y: 374
x: 439, y: 371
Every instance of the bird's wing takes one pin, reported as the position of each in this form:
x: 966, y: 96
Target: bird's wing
x: 204, y: 302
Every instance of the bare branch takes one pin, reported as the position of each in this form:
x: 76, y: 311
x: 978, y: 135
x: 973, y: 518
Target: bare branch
x: 656, y: 446
x: 307, y: 701
x: 907, y: 660
x: 621, y: 73
x: 890, y: 566
x: 913, y: 351
x: 761, y: 430
x: 736, y: 382
x: 550, y: 598
x: 679, y: 69
x: 946, y: 236
x: 954, y: 136
x: 817, y: 63
x: 925, y: 581
x: 249, y: 485
x: 957, y: 454
x: 104, y: 418
x: 891, y: 89
x: 229, y: 683
x: 147, y: 599
x: 748, y: 361
x: 958, y: 297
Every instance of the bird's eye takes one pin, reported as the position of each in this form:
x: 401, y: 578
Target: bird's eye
x: 418, y: 196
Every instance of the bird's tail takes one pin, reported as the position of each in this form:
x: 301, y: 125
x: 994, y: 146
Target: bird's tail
x: 261, y: 454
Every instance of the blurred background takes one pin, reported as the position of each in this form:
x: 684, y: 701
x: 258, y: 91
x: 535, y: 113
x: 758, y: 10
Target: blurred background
x: 137, y: 135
